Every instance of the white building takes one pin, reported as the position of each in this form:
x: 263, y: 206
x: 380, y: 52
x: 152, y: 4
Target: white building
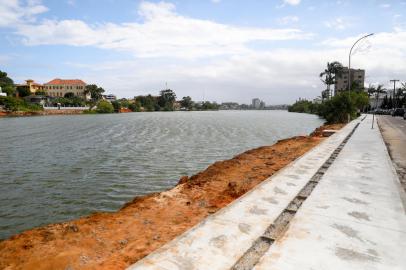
x: 110, y: 97
x: 59, y: 87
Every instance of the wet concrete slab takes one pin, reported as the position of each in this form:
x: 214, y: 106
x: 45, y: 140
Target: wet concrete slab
x: 221, y: 239
x: 355, y: 217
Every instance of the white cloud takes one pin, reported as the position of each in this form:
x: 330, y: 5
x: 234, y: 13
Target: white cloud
x: 236, y: 72
x: 292, y: 2
x: 385, y: 5
x: 216, y: 1
x: 12, y: 12
x: 276, y: 75
x: 338, y: 23
x: 163, y: 33
x: 288, y: 20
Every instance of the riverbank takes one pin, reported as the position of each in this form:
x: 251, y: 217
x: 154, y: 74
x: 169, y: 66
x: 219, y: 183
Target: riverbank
x: 41, y: 113
x: 116, y: 240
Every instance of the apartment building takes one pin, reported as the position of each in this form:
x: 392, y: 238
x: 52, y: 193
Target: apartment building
x: 357, y: 76
x: 60, y: 87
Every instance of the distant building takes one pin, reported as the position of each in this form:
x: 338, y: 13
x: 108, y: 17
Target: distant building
x: 110, y: 97
x: 229, y: 106
x: 357, y: 76
x: 59, y: 87
x: 256, y: 103
x: 31, y: 85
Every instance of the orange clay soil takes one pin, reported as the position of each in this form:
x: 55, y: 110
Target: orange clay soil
x: 116, y: 240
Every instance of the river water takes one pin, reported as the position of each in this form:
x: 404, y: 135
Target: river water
x: 56, y: 168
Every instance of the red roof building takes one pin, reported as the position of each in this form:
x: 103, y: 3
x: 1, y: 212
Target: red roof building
x: 59, y: 88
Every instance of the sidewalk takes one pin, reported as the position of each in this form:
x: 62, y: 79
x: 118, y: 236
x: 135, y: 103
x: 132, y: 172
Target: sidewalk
x: 220, y: 240
x: 354, y: 218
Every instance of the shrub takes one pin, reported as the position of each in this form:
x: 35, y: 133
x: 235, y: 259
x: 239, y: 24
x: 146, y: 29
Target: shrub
x: 105, y: 107
x: 116, y: 105
x: 17, y: 104
x: 335, y: 110
x: 135, y: 107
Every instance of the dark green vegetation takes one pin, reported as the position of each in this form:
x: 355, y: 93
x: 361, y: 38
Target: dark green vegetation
x: 336, y: 109
x: 17, y: 104
x: 328, y: 77
x: 104, y: 107
x: 6, y: 84
x: 165, y: 101
x: 395, y: 99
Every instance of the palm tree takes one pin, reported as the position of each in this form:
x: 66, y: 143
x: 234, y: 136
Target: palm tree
x: 329, y: 75
x: 372, y: 90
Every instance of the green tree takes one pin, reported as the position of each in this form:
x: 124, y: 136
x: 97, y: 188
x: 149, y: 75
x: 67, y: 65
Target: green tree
x: 6, y: 84
x: 116, y: 105
x: 148, y: 103
x: 187, y: 103
x: 166, y: 99
x: 384, y: 104
x: 124, y: 103
x: 329, y: 75
x: 69, y: 95
x: 104, y: 107
x: 23, y: 91
x: 18, y: 104
x: 135, y: 106
x: 374, y: 91
x: 94, y: 91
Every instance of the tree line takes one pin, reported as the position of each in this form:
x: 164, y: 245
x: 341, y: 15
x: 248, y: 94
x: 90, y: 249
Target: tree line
x: 165, y: 101
x: 336, y: 109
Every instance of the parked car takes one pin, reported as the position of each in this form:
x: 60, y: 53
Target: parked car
x: 398, y: 112
x: 404, y: 116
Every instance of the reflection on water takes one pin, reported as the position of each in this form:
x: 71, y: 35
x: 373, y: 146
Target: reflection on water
x: 56, y: 168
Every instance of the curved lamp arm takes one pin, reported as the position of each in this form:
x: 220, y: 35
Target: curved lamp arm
x: 349, y: 60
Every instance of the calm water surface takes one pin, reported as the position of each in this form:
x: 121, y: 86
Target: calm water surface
x: 55, y: 168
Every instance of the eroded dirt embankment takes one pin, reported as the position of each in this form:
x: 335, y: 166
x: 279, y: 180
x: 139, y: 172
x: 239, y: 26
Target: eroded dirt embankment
x: 116, y: 240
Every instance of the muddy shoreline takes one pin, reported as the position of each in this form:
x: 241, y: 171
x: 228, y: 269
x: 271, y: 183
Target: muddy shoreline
x: 40, y: 113
x: 116, y: 240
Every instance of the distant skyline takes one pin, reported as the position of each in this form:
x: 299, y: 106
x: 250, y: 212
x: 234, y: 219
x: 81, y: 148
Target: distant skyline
x: 217, y: 50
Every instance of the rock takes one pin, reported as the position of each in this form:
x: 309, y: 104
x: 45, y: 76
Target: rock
x: 183, y: 179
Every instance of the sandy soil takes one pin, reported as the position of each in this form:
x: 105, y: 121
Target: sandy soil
x: 116, y: 240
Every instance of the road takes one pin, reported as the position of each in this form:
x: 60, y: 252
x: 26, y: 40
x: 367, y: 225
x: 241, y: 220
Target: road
x: 394, y: 134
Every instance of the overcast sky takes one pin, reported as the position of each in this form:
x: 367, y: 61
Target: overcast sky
x: 219, y: 50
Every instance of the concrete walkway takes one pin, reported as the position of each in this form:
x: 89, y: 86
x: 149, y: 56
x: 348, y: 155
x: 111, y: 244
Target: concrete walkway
x: 327, y: 210
x: 354, y: 219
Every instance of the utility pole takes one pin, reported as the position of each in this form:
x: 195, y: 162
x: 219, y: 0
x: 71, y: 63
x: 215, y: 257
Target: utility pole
x: 394, y: 91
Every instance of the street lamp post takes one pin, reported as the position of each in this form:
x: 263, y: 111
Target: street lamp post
x: 349, y: 61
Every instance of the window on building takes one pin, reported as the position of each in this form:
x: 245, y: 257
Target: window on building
x: 359, y: 77
x: 345, y: 82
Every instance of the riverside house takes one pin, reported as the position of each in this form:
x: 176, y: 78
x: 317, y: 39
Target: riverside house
x: 60, y: 87
x: 32, y: 86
